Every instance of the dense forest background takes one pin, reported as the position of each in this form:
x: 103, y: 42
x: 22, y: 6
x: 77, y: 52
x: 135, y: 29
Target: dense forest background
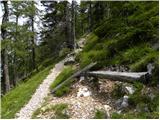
x: 117, y: 33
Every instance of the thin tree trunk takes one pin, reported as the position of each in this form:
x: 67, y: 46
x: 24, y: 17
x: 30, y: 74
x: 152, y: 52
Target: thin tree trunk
x: 73, y: 24
x: 67, y: 26
x: 33, y: 44
x: 108, y: 10
x: 5, y: 56
x: 14, y: 59
x: 90, y: 17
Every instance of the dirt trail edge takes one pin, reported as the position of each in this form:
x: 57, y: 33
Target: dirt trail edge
x: 41, y: 92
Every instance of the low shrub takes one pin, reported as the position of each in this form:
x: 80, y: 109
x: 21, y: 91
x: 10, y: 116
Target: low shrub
x: 118, y: 92
x: 141, y: 64
x: 58, y: 110
x: 99, y: 114
x: 133, y: 54
x: 91, y: 42
x: 92, y: 56
x: 64, y: 52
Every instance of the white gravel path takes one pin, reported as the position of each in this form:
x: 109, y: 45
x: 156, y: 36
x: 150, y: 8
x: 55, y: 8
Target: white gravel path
x: 41, y: 92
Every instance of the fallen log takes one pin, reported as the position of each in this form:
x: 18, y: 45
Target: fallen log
x: 121, y: 76
x: 78, y: 73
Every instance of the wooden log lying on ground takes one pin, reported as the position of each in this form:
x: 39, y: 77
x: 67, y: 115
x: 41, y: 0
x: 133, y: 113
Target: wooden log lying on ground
x: 121, y: 76
x: 78, y: 73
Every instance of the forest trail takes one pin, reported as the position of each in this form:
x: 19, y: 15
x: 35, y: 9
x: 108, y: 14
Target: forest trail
x: 41, y: 92
x: 43, y: 89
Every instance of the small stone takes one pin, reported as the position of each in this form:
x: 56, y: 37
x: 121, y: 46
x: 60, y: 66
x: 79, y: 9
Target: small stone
x: 118, y: 103
x: 107, y: 109
x: 150, y: 67
x: 82, y: 78
x: 130, y: 89
x: 119, y: 112
x: 69, y: 60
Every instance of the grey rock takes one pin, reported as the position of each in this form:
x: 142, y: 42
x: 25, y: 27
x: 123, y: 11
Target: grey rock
x: 107, y: 109
x: 142, y: 108
x: 129, y: 89
x: 118, y: 103
x: 82, y: 78
x: 150, y: 67
x: 69, y: 60
x: 122, y: 103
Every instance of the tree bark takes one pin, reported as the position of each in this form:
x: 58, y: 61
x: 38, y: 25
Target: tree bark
x: 5, y: 55
x: 67, y: 26
x: 90, y: 16
x: 14, y: 59
x: 33, y: 44
x: 121, y: 76
x: 32, y: 40
x: 73, y: 24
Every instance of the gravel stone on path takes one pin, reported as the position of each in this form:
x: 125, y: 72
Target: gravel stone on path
x: 41, y: 92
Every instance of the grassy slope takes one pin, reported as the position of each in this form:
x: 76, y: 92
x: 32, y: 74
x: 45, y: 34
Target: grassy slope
x: 125, y: 40
x: 19, y: 96
x: 128, y: 42
x: 66, y: 73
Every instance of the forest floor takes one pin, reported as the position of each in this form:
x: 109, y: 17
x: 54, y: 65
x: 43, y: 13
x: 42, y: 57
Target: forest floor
x: 82, y: 107
x: 41, y: 92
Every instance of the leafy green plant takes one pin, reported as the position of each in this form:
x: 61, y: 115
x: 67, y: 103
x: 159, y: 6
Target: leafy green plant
x: 99, y: 114
x: 118, y: 92
x: 141, y: 64
x: 58, y: 109
x: 91, y: 41
x: 64, y: 52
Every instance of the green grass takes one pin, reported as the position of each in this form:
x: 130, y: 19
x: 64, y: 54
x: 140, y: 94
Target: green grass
x: 19, y: 96
x: 99, y: 114
x: 58, y: 110
x: 142, y: 63
x: 66, y: 73
x: 139, y: 100
x: 136, y: 115
x: 126, y: 40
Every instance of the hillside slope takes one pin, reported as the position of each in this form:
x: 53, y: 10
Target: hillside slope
x: 131, y: 41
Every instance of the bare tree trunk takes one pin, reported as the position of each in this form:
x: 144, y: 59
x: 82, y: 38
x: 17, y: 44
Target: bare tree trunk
x: 108, y: 10
x: 4, y: 36
x: 14, y: 59
x: 73, y: 24
x: 33, y: 45
x: 90, y: 16
x: 67, y: 26
x: 32, y: 40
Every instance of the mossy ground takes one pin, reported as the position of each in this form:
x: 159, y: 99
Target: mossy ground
x: 66, y: 73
